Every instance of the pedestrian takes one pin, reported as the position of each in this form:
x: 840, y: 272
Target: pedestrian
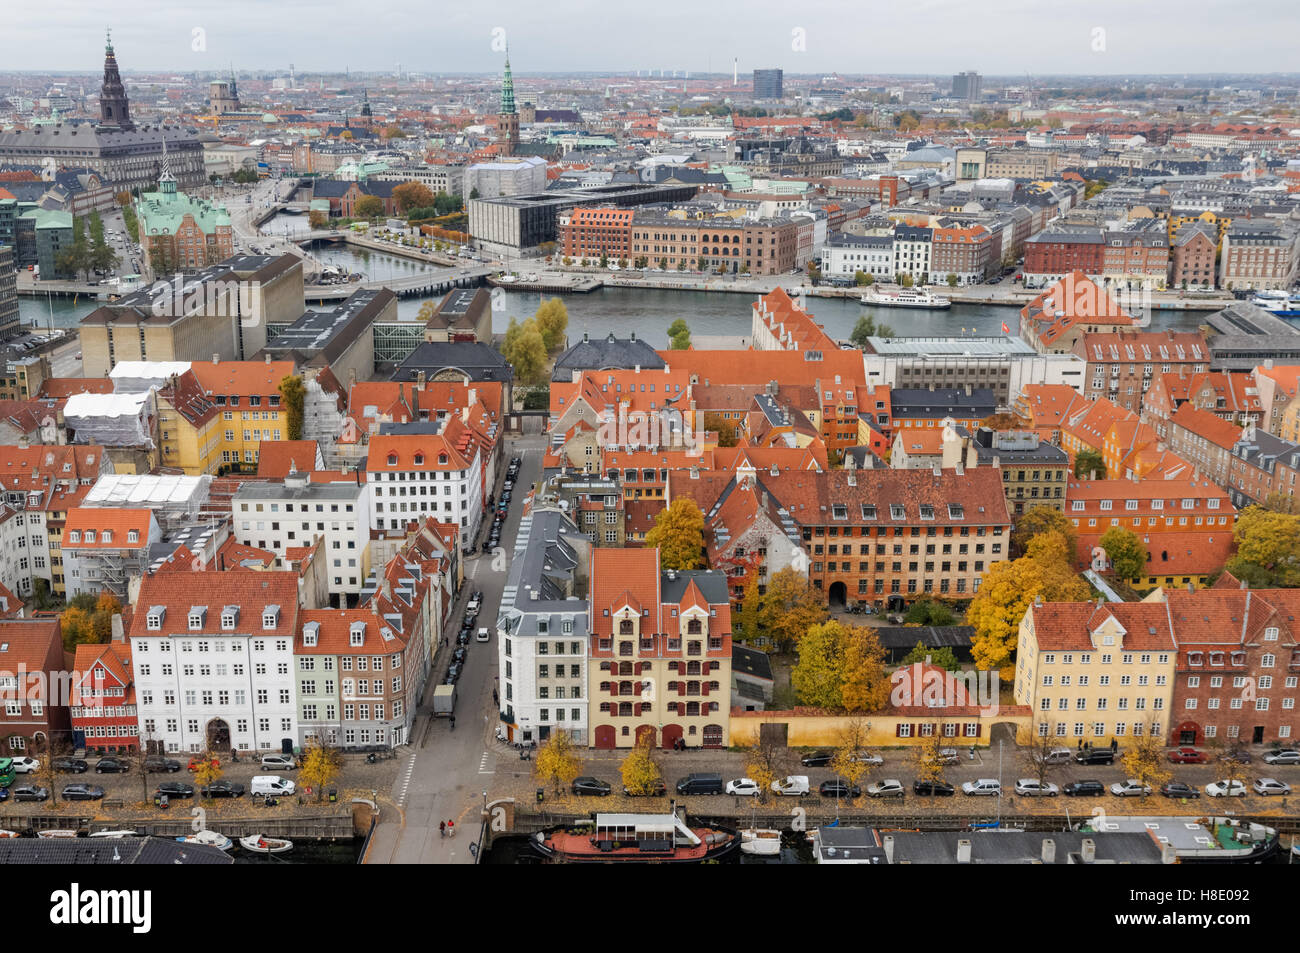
x: 1114, y: 745
x: 451, y: 828
x: 442, y: 828
x: 1080, y: 744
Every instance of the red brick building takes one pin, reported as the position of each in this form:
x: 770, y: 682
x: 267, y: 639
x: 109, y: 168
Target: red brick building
x: 964, y: 252
x: 1192, y: 257
x: 104, y: 717
x: 1237, y: 665
x: 1121, y: 365
x: 593, y: 232
x: 35, y: 686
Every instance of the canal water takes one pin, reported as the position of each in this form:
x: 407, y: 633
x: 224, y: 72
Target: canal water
x: 645, y: 312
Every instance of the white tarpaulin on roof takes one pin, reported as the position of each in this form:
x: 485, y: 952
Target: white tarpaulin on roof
x: 111, y: 420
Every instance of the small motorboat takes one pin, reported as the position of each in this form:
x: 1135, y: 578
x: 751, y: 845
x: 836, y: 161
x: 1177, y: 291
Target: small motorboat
x: 56, y: 832
x: 5, y: 834
x: 208, y: 839
x: 761, y: 841
x: 260, y: 844
x: 116, y: 835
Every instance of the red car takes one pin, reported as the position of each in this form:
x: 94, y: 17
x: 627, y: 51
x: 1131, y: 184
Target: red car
x: 196, y: 763
x: 1187, y: 756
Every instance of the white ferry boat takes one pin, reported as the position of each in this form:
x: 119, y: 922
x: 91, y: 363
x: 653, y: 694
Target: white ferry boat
x: 1278, y: 303
x: 906, y: 298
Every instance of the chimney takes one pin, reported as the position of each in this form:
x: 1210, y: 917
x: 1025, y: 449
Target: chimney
x: 963, y: 850
x: 852, y: 477
x: 420, y: 380
x: 386, y: 588
x: 889, y: 848
x: 119, y: 633
x: 22, y: 441
x: 268, y: 358
x: 1049, y: 850
x: 961, y: 470
x: 586, y: 336
x: 1038, y: 599
x: 938, y: 470
x: 633, y: 336
x: 1088, y: 850
x: 216, y: 358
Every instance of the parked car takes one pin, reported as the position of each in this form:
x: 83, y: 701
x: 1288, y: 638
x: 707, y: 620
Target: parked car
x: 658, y: 789
x: 222, y: 788
x: 818, y: 759
x: 1267, y: 786
x: 458, y: 656
x: 1032, y: 787
x: 1236, y: 755
x: 743, y: 787
x: 588, y: 786
x: 155, y: 764
x: 1226, y: 788
x: 196, y: 763
x: 82, y: 792
x: 483, y: 635
x: 112, y: 766
x: 70, y: 765
x: 26, y: 765
x: 1286, y: 756
x: 29, y: 792
x: 175, y: 789
x: 1095, y: 756
x: 794, y: 785
x: 933, y: 788
x: 1179, y: 789
x: 279, y: 762
x: 1083, y: 789
x: 700, y: 782
x: 1187, y: 756
x: 866, y: 757
x: 984, y: 787
x: 944, y: 756
x: 1130, y: 787
x: 1054, y: 756
x: 839, y: 789
x: 453, y: 672
x: 887, y: 788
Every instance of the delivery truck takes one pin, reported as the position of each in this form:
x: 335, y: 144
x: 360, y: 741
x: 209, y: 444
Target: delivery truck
x: 444, y: 701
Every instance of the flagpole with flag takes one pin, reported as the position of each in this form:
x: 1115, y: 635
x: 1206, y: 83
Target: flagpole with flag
x: 1005, y: 329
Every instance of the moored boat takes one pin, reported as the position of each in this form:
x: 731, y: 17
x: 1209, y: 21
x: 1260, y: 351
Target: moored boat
x: 56, y: 832
x: 261, y: 844
x: 208, y: 839
x: 7, y: 834
x: 657, y: 838
x: 760, y: 841
x: 906, y: 298
x: 115, y: 835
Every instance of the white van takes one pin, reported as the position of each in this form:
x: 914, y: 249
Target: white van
x: 271, y: 784
x: 483, y: 635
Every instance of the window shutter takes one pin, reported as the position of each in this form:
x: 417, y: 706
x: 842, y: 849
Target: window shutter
x: 979, y: 729
x: 898, y: 730
x: 681, y: 688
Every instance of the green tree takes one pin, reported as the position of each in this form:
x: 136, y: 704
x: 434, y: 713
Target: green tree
x: 679, y: 335
x: 818, y: 675
x: 1088, y: 462
x: 952, y: 281
x: 293, y: 394
x: 929, y: 612
x: 525, y: 349
x: 867, y: 328
x: 724, y: 428
x: 942, y: 657
x: 1126, y: 552
x: 679, y: 534
x: 750, y: 617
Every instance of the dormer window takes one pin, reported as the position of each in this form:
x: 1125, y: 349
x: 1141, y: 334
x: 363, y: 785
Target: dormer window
x: 357, y: 634
x: 1195, y: 658
x: 133, y: 536
x: 310, y: 632
x: 155, y: 618
x: 442, y: 459
x: 74, y: 536
x: 419, y: 459
x: 868, y: 511
x: 229, y: 616
x: 90, y: 535
x: 897, y: 512
x: 108, y: 536
x: 839, y: 511
x: 196, y: 617
x: 956, y: 512
x: 927, y: 511
x: 271, y: 618
x: 392, y: 459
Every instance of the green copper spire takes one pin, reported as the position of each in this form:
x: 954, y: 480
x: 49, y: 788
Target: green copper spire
x: 507, y: 90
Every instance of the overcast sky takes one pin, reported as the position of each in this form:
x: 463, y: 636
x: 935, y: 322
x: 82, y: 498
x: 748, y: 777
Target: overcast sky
x: 1008, y: 37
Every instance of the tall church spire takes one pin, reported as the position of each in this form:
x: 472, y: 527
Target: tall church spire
x: 114, y: 109
x: 166, y: 181
x: 508, y: 117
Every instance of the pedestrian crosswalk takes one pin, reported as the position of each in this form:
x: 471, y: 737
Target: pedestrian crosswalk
x: 485, y: 764
x: 404, y: 782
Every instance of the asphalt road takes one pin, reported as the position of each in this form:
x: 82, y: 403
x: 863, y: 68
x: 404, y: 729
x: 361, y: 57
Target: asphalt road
x: 446, y: 772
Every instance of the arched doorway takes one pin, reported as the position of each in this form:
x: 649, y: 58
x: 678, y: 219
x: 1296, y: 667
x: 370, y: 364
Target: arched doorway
x: 1187, y: 733
x: 838, y: 594
x: 218, y: 735
x: 645, y: 734
x: 605, y: 736
x: 670, y: 735
x: 713, y: 736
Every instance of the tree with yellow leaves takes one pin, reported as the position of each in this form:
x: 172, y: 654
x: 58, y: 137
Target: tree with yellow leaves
x: 1144, y: 761
x: 764, y: 763
x: 866, y: 683
x: 1007, y: 592
x: 841, y: 667
x: 679, y: 534
x: 209, y: 770
x: 790, y: 608
x: 848, y: 762
x: 320, y: 766
x: 558, y: 761
x: 926, y: 760
x: 641, y: 775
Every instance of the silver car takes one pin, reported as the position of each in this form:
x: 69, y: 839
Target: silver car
x: 1031, y: 787
x: 1267, y: 786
